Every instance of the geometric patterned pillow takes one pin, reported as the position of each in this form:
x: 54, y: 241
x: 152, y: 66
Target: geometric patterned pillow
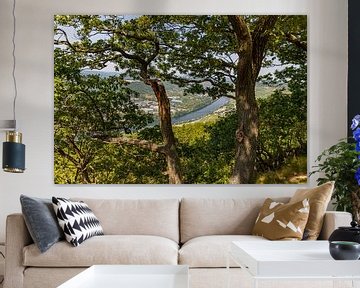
x: 279, y: 221
x: 77, y: 220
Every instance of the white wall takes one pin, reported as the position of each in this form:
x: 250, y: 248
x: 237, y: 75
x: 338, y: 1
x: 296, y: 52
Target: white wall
x: 327, y: 21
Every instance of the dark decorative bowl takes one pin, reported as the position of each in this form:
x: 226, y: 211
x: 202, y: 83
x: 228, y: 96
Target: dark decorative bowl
x: 344, y: 250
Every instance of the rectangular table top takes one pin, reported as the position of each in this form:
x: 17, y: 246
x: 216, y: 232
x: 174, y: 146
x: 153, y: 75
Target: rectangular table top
x: 131, y: 276
x: 291, y: 259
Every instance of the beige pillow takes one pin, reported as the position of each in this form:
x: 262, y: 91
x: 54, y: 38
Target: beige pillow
x: 279, y: 221
x: 319, y: 198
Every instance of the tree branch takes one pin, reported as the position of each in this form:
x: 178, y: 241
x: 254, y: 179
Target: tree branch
x: 66, y: 42
x: 77, y: 150
x: 98, y: 110
x: 260, y: 38
x: 155, y: 53
x: 67, y: 156
x: 180, y: 56
x: 77, y: 49
x: 128, y: 55
x: 104, y: 49
x: 240, y: 29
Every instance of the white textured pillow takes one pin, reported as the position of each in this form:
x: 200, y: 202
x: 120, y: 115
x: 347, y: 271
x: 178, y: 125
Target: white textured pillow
x: 77, y: 220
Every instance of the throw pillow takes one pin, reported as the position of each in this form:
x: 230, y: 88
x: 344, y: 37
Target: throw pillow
x: 319, y: 198
x: 41, y: 222
x: 77, y: 220
x: 279, y: 221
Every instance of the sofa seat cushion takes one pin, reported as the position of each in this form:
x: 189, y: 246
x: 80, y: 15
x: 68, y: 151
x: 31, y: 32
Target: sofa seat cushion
x: 107, y: 249
x: 159, y: 217
x: 206, y: 217
x: 211, y: 251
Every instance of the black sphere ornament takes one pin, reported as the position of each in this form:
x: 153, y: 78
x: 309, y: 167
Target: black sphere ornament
x: 353, y: 223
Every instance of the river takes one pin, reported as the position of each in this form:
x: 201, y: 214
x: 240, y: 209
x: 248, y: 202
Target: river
x: 202, y: 112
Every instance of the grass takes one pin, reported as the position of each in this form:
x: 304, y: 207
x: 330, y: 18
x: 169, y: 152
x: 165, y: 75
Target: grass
x: 293, y: 172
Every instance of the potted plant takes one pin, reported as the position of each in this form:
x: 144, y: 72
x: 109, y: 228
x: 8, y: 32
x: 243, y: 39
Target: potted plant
x: 341, y: 163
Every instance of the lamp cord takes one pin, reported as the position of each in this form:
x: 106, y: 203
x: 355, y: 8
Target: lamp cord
x: 14, y: 59
x: 2, y: 280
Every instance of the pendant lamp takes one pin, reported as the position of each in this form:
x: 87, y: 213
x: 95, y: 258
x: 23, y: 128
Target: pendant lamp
x: 13, y: 150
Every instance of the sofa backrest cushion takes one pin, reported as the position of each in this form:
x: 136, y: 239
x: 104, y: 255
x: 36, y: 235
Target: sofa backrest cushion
x: 200, y: 217
x: 159, y: 217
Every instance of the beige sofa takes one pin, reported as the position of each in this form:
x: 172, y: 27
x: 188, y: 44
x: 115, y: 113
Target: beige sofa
x: 194, y: 232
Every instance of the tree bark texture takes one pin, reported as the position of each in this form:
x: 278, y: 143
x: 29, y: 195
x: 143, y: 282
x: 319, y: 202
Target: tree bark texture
x: 251, y: 49
x: 172, y: 158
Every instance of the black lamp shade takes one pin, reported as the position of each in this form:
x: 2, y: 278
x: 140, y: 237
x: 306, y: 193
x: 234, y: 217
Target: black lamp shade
x: 13, y: 157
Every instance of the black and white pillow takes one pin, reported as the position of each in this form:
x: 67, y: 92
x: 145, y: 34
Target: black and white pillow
x: 77, y: 220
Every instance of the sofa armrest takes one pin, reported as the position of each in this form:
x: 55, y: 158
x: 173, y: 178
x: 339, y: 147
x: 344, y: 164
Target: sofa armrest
x: 333, y: 220
x: 17, y: 237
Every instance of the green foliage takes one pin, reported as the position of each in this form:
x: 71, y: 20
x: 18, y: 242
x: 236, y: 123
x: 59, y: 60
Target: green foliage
x: 339, y: 163
x: 293, y: 171
x: 206, y: 150
x: 283, y: 115
x: 281, y: 118
x: 199, y: 53
x: 87, y: 107
x: 113, y: 164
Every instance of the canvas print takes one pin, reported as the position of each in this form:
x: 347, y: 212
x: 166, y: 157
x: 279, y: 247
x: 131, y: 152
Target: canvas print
x: 180, y: 99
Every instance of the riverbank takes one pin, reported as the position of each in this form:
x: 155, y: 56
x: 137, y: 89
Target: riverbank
x: 202, y: 112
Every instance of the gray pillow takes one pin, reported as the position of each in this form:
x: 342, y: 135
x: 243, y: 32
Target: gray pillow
x: 41, y: 221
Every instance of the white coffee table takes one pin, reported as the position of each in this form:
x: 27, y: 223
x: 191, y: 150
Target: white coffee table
x: 131, y: 276
x: 293, y: 260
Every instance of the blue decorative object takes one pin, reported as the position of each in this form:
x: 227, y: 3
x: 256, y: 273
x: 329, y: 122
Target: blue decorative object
x: 356, y: 134
x: 355, y: 122
x: 357, y: 147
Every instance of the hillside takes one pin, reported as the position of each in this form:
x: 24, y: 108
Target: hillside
x: 180, y: 104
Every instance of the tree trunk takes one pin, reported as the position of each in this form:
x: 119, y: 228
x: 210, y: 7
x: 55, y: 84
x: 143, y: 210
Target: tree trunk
x: 172, y: 158
x: 246, y: 107
x: 251, y: 49
x: 246, y: 136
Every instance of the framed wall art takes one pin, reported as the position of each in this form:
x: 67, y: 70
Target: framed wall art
x: 172, y: 99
